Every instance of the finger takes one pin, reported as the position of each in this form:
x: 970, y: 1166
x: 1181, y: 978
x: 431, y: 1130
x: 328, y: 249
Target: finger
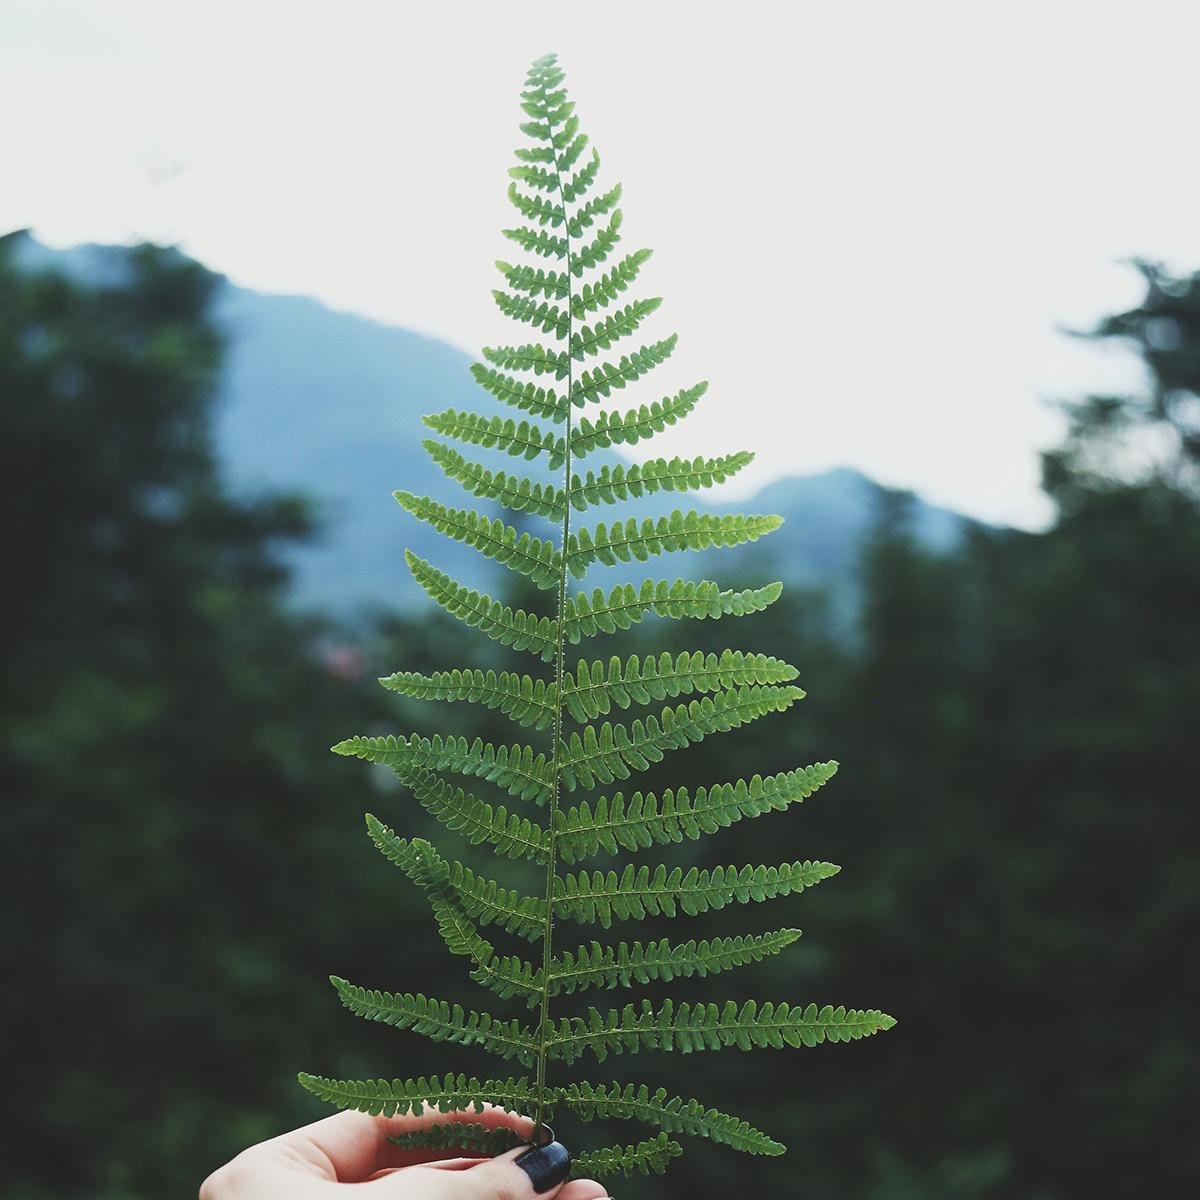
x: 491, y: 1118
x: 582, y: 1189
x: 353, y: 1146
x: 522, y: 1174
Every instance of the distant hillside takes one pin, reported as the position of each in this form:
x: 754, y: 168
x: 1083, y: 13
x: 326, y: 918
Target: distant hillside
x: 329, y: 404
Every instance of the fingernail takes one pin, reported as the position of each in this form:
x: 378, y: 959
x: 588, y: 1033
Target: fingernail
x: 547, y: 1166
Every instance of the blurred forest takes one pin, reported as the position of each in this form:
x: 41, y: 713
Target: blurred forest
x: 1016, y: 812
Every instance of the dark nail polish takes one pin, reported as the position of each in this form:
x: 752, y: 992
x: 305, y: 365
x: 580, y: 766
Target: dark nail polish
x: 547, y: 1166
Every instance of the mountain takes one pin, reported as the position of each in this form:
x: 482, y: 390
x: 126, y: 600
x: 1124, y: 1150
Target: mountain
x: 329, y: 403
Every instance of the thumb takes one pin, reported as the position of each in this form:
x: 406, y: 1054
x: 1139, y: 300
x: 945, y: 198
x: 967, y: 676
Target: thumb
x: 522, y: 1174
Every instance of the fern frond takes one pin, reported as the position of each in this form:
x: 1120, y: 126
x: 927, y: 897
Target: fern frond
x: 592, y: 254
x: 575, y: 146
x: 617, y: 750
x: 672, y: 1114
x: 646, y: 1158
x: 603, y: 291
x: 484, y: 1140
x: 439, y: 1021
x: 538, y: 241
x: 581, y: 182
x: 484, y: 900
x: 541, y: 314
x: 508, y: 626
x: 492, y: 904
x: 687, y: 1027
x: 623, y: 482
x: 528, y: 702
x: 520, y: 439
x: 509, y: 834
x: 568, y: 219
x: 615, y: 824
x: 515, y: 492
x: 638, y: 891
x: 527, y: 396
x: 585, y: 215
x: 609, y: 966
x: 448, y: 1093
x: 541, y: 360
x: 625, y: 605
x: 507, y: 976
x: 606, y: 377
x: 532, y: 557
x: 535, y: 281
x: 590, y: 340
x: 595, y: 687
x: 518, y: 769
x: 626, y: 541
x: 635, y: 425
x: 535, y: 208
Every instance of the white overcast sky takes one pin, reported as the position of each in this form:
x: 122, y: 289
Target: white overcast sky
x: 870, y: 220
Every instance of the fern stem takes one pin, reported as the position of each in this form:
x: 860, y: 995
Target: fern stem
x: 559, y: 631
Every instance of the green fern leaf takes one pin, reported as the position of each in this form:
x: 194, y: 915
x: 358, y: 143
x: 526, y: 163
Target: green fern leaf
x: 635, y: 425
x: 538, y: 241
x: 518, y: 769
x: 529, y: 556
x: 508, y: 626
x: 580, y: 183
x: 622, y: 482
x: 541, y: 314
x: 687, y: 1028
x: 513, y: 491
x: 520, y: 439
x: 439, y: 1021
x: 541, y: 360
x: 527, y: 396
x: 622, y: 965
x: 646, y: 1158
x: 460, y: 1135
x: 509, y: 834
x: 644, y: 821
x: 535, y: 208
x: 449, y: 1093
x: 616, y: 751
x: 579, y: 306
x: 529, y: 702
x: 606, y: 377
x: 638, y: 891
x: 585, y: 216
x: 605, y: 333
x: 592, y: 254
x: 671, y: 1113
x: 625, y: 541
x: 536, y: 281
x: 586, y: 616
x: 596, y: 687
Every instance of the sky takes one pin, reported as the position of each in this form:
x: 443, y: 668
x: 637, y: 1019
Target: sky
x: 872, y: 222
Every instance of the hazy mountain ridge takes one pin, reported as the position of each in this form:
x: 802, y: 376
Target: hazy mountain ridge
x: 329, y: 404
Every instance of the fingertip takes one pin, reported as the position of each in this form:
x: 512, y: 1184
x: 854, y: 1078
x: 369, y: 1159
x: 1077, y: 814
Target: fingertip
x: 547, y: 1166
x: 582, y: 1189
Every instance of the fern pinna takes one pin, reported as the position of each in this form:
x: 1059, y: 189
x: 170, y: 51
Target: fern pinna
x: 578, y: 301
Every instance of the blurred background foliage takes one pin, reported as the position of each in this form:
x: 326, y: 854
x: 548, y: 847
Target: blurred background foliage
x: 1016, y: 813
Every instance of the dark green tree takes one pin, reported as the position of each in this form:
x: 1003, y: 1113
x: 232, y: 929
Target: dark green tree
x: 160, y: 708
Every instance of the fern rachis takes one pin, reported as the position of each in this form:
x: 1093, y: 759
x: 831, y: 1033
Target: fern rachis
x: 673, y: 701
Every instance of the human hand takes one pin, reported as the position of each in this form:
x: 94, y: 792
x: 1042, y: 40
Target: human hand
x: 319, y: 1160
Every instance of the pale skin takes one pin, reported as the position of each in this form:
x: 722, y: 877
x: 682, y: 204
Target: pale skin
x: 325, y: 1160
